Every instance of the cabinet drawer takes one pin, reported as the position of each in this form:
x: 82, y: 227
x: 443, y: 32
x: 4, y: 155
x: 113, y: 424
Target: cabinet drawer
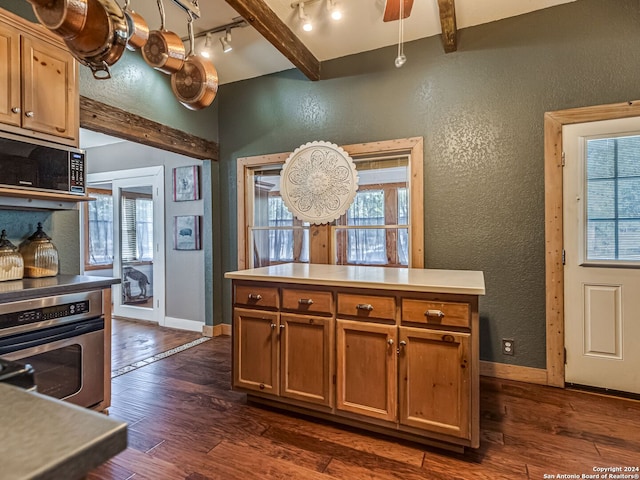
x: 366, y: 306
x: 256, y: 296
x: 308, y: 301
x: 435, y: 313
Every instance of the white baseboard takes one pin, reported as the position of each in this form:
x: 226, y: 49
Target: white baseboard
x: 183, y: 324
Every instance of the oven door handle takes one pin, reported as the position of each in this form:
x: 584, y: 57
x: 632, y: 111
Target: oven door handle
x: 47, y: 335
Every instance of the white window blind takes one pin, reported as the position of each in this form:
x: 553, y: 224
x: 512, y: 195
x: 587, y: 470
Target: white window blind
x: 613, y: 199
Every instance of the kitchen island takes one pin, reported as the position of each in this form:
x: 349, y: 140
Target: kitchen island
x: 45, y: 438
x: 392, y: 350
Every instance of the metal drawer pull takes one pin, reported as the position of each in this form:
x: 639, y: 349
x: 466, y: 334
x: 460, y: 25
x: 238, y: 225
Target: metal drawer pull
x: 305, y: 301
x: 364, y: 306
x: 434, y: 313
x: 254, y: 296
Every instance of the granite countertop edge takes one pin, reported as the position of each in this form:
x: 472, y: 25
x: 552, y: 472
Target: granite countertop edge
x: 28, y: 288
x: 49, y: 439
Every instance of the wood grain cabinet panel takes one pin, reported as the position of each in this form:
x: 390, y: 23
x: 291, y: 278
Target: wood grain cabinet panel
x: 255, y: 357
x: 433, y: 312
x: 9, y: 75
x: 366, y: 306
x: 49, y: 97
x: 366, y: 369
x: 435, y: 381
x: 306, y: 358
x: 256, y: 295
x: 307, y: 301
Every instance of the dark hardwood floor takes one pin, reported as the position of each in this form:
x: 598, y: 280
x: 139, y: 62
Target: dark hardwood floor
x: 133, y: 341
x: 186, y: 423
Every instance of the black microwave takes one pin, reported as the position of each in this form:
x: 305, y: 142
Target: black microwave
x: 34, y: 164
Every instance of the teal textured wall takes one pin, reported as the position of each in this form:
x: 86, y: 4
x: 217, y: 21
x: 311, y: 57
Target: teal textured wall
x: 480, y: 111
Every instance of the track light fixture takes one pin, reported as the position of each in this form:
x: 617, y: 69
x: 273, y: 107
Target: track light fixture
x: 333, y: 8
x: 208, y: 45
x: 307, y: 26
x: 207, y: 49
x: 226, y: 41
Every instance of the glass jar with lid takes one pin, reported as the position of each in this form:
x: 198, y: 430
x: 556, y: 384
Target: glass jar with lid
x: 11, y: 263
x: 40, y: 255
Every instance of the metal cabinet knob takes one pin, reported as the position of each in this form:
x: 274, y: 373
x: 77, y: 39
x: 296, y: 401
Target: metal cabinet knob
x: 273, y: 325
x: 364, y: 306
x: 15, y: 109
x: 390, y: 341
x: 281, y: 327
x: 403, y: 343
x: 255, y: 296
x: 29, y: 114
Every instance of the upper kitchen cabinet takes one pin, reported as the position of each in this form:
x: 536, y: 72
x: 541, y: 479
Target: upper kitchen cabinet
x: 39, y: 83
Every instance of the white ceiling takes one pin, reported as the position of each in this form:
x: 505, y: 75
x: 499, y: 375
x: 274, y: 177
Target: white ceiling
x: 361, y: 28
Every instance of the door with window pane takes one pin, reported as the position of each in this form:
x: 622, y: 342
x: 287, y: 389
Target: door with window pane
x: 602, y: 254
x: 133, y: 238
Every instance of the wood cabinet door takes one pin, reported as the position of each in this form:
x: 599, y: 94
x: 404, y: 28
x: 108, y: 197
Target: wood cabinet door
x: 255, y: 350
x: 435, y: 381
x: 306, y: 358
x: 366, y: 369
x: 50, y: 94
x: 9, y: 75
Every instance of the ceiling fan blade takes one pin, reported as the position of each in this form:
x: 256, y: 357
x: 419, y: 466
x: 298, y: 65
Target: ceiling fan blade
x: 392, y: 10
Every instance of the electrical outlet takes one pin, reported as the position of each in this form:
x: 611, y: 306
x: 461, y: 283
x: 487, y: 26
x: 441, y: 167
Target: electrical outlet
x: 508, y: 346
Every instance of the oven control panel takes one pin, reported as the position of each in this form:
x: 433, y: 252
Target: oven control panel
x: 43, y: 314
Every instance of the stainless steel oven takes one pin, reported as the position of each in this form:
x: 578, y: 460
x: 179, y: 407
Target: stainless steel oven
x: 62, y: 338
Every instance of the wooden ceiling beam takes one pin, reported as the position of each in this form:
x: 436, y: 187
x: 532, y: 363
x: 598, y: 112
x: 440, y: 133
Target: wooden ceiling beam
x: 448, y: 22
x: 276, y: 32
x: 103, y: 118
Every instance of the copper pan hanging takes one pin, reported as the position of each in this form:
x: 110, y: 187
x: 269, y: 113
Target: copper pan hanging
x: 164, y: 50
x: 65, y: 18
x: 138, y: 28
x: 102, y: 44
x: 195, y: 85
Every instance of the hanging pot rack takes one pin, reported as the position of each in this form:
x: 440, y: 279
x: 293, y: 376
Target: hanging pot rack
x: 189, y: 6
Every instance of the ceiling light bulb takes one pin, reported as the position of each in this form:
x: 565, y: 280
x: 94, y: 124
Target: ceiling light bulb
x: 307, y: 26
x: 226, y: 42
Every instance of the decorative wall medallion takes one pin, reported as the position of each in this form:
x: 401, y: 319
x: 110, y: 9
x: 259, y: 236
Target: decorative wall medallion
x: 318, y: 182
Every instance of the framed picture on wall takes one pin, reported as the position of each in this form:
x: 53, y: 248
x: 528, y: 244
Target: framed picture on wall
x: 186, y: 232
x: 186, y: 183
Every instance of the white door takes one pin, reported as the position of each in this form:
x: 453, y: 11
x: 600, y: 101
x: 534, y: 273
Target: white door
x: 138, y: 241
x: 601, y: 197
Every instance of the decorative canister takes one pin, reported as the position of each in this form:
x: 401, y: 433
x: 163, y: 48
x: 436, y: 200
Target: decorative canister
x: 40, y: 255
x: 11, y: 263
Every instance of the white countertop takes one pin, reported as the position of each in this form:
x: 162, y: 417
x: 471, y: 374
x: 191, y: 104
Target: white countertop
x: 409, y: 279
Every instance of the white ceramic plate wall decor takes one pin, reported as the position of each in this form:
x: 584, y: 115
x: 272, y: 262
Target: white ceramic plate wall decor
x: 318, y: 182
